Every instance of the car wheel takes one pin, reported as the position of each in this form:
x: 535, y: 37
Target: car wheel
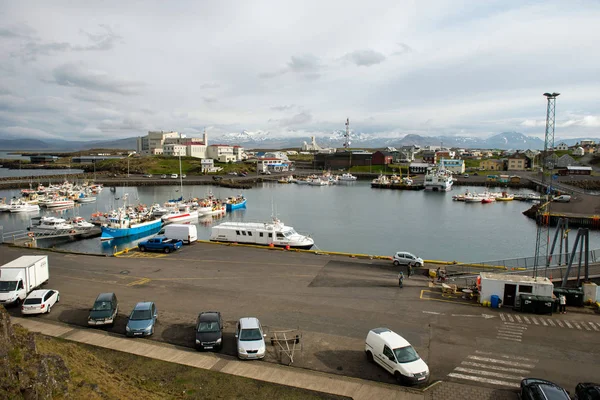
x: 142, y: 248
x: 398, y: 377
x: 396, y: 262
x: 58, y: 298
x: 49, y: 308
x: 167, y: 250
x: 369, y: 356
x: 418, y: 265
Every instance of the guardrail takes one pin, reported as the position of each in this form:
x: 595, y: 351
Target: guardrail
x: 12, y: 237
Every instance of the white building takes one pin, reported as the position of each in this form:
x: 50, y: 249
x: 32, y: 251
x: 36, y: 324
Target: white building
x: 562, y: 146
x: 587, y: 142
x: 282, y: 155
x: 221, y: 152
x: 153, y: 141
x: 272, y: 164
x: 454, y: 166
x: 169, y: 143
x: 176, y: 150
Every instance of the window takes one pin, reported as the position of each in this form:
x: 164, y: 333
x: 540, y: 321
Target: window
x: 388, y: 352
x: 249, y: 233
x: 20, y: 286
x: 243, y: 233
x: 237, y: 233
x: 525, y: 289
x: 280, y: 235
x: 261, y: 234
x: 270, y: 235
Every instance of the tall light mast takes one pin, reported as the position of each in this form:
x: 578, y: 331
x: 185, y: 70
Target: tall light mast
x: 347, y: 135
x: 543, y: 213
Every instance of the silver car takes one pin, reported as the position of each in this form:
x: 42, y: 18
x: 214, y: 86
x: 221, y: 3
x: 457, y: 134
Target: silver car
x: 250, y: 339
x: 405, y: 258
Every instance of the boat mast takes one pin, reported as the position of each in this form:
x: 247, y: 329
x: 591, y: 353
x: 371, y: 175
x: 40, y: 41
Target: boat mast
x: 180, y: 179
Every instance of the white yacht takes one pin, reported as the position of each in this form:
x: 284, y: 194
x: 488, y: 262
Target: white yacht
x: 347, y: 177
x: 180, y: 216
x: 438, y: 180
x: 273, y: 233
x: 23, y: 207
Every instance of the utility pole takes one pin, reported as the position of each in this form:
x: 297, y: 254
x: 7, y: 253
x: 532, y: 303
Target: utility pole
x: 543, y: 213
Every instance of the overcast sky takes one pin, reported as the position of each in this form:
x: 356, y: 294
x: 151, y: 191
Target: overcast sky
x: 113, y: 69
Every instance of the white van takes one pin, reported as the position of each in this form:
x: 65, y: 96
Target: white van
x: 396, y: 355
x: 187, y: 233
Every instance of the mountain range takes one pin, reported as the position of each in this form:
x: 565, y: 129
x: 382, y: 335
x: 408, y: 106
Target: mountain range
x: 263, y: 140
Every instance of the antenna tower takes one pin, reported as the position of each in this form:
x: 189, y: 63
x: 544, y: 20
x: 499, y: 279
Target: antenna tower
x: 347, y: 135
x: 543, y: 213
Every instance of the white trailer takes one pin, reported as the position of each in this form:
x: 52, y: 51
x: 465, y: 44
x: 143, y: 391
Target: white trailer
x: 21, y: 276
x: 509, y: 287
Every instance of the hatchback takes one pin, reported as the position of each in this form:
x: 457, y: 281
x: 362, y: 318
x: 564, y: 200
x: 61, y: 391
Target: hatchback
x: 105, y: 310
x: 40, y: 301
x: 142, y: 319
x: 405, y: 258
x: 250, y: 339
x: 209, y: 331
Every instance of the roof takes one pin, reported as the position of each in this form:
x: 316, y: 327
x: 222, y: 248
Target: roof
x: 104, y: 296
x: 392, y: 338
x: 143, y: 305
x: 514, y: 278
x: 416, y: 164
x: 579, y: 168
x: 249, y: 322
x: 208, y: 316
x: 37, y: 294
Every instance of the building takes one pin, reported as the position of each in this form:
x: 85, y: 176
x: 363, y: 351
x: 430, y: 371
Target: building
x: 587, y: 142
x: 565, y: 160
x: 418, y: 168
x: 174, y: 150
x: 155, y: 141
x: 575, y: 170
x: 382, y: 158
x: 407, y: 153
x: 429, y: 156
x: 454, y: 166
x: 492, y: 165
x: 562, y: 146
x: 272, y: 164
x: 195, y: 149
x: 517, y: 162
x: 578, y: 152
x: 343, y: 159
x: 222, y: 153
x: 41, y: 159
x: 509, y: 287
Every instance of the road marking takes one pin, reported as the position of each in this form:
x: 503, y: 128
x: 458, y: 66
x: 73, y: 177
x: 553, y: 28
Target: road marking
x: 502, y: 317
x: 510, y: 318
x: 486, y: 316
x: 509, y: 333
x: 507, y: 356
x: 518, y: 318
x: 576, y: 325
x: 484, y: 380
x: 593, y: 326
x: 587, y: 328
x: 507, y: 338
x: 568, y: 324
x: 141, y: 281
x: 559, y: 322
x: 434, y: 312
x: 488, y: 373
x: 495, y: 367
x: 527, y: 320
x: 543, y: 322
x: 496, y: 361
x: 551, y: 322
x: 515, y: 326
x: 535, y: 321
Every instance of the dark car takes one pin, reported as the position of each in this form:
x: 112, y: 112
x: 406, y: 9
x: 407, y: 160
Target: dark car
x: 105, y: 310
x: 587, y: 391
x: 142, y: 319
x: 209, y: 331
x: 217, y: 178
x: 540, y: 389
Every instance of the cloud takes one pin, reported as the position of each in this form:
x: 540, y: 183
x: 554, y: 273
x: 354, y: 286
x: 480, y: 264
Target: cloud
x: 584, y: 121
x: 21, y: 31
x: 364, y: 58
x: 285, y: 107
x: 307, y: 66
x: 77, y: 75
x: 209, y: 100
x: 302, y: 118
x: 403, y: 49
x: 26, y: 132
x: 210, y: 85
x: 103, y: 41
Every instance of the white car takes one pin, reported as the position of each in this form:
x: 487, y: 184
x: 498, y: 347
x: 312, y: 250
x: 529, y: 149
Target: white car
x: 40, y: 301
x: 405, y: 258
x: 250, y: 339
x: 174, y: 176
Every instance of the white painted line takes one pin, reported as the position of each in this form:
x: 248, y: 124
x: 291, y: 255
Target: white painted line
x: 598, y: 323
x: 505, y: 362
x: 495, y: 367
x: 516, y: 326
x: 518, y: 319
x: 568, y: 324
x: 509, y: 333
x: 551, y: 322
x: 507, y: 356
x: 484, y: 380
x: 502, y: 317
x: 507, y: 338
x: 593, y: 326
x: 543, y: 322
x: 488, y: 373
x: 559, y: 322
x: 527, y: 320
x: 433, y: 312
x: 587, y: 328
x: 510, y: 318
x: 576, y: 325
x: 535, y: 321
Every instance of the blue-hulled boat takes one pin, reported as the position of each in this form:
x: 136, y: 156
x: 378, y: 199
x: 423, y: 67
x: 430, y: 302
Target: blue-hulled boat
x: 235, y: 202
x: 127, y: 221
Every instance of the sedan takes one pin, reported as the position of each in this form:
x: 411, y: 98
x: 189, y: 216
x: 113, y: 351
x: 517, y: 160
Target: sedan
x: 250, y: 339
x: 40, y: 301
x: 142, y: 319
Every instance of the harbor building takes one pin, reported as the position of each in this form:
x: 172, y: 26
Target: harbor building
x: 454, y: 166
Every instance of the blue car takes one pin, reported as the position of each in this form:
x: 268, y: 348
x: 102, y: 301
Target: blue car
x: 142, y: 319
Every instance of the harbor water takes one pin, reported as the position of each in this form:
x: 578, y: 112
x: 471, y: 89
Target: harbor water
x: 348, y: 218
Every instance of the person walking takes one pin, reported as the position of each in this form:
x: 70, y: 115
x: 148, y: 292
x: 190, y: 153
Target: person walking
x: 437, y: 273
x: 401, y: 279
x: 562, y: 301
x: 409, y: 270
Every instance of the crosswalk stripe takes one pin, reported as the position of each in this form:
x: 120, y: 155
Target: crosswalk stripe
x: 484, y: 380
x: 515, y: 326
x: 508, y: 338
x: 510, y: 318
x: 543, y: 322
x: 502, y: 317
x: 488, y: 373
x: 496, y: 361
x: 507, y: 356
x: 495, y: 367
x: 587, y: 328
x: 593, y: 326
x: 518, y: 318
x: 568, y: 324
x: 534, y: 320
x: 507, y: 332
x: 560, y: 323
x: 551, y: 322
x: 527, y: 320
x: 576, y: 325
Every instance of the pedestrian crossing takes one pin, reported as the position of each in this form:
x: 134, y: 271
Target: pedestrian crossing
x: 495, y: 369
x: 531, y: 320
x: 511, y: 332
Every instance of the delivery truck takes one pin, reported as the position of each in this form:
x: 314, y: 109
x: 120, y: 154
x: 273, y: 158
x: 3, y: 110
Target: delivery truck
x: 20, y: 277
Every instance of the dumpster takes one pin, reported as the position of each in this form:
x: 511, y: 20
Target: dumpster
x: 574, y: 297
x: 495, y: 300
x: 528, y: 302
x: 544, y: 305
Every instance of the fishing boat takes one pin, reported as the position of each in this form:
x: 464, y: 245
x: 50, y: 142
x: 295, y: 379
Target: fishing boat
x: 347, y: 177
x: 85, y: 197
x: 176, y: 215
x: 21, y: 207
x: 505, y: 197
x: 438, y: 179
x: 274, y: 233
x: 126, y: 221
x: 235, y: 202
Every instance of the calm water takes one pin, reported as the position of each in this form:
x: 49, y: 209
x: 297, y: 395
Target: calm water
x: 5, y: 172
x: 349, y: 218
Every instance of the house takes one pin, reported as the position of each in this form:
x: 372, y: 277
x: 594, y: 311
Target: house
x: 454, y: 166
x: 576, y: 170
x: 418, y: 168
x: 578, y: 152
x: 39, y: 159
x: 564, y: 161
x: 222, y: 153
x: 587, y: 142
x: 492, y: 165
x: 517, y: 162
x: 443, y: 154
x: 343, y: 159
x: 382, y: 158
x: 562, y: 146
x: 429, y: 156
x: 272, y: 165
x: 589, y: 149
x: 407, y: 154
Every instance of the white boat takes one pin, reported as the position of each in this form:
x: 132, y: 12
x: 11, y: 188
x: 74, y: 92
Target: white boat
x: 438, y: 180
x: 85, y: 197
x: 49, y: 224
x: 273, y: 233
x: 180, y: 216
x: 318, y: 182
x: 24, y: 207
x: 347, y: 177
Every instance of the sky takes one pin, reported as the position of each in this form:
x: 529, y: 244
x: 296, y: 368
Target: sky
x: 80, y: 70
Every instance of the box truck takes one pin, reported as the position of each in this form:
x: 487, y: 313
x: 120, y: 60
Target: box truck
x: 21, y: 276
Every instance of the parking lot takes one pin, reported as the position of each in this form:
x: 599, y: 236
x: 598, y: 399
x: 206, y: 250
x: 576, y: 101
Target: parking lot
x: 333, y: 301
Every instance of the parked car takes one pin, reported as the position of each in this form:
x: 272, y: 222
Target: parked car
x: 163, y: 176
x: 217, y: 178
x: 465, y: 175
x: 250, y: 339
x: 232, y: 173
x: 405, y: 258
x: 587, y: 391
x: 209, y: 331
x: 266, y: 172
x: 160, y: 243
x: 243, y: 174
x: 563, y: 198
x: 105, y: 310
x: 174, y: 176
x: 540, y: 389
x: 40, y: 301
x: 183, y: 176
x: 396, y: 355
x: 142, y: 319
x: 148, y: 175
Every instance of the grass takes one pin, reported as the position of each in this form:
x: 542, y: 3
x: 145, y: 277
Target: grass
x: 158, y: 165
x: 98, y: 373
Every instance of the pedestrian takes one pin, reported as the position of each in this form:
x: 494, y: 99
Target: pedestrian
x: 437, y: 274
x: 409, y: 270
x: 401, y: 279
x: 563, y: 304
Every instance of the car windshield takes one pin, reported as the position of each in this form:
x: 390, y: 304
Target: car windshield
x: 102, y: 306
x: 7, y: 286
x: 208, y: 326
x: 406, y: 354
x: 33, y: 301
x: 140, y: 315
x: 250, y: 334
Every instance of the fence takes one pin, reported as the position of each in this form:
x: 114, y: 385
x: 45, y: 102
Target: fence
x: 12, y: 237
